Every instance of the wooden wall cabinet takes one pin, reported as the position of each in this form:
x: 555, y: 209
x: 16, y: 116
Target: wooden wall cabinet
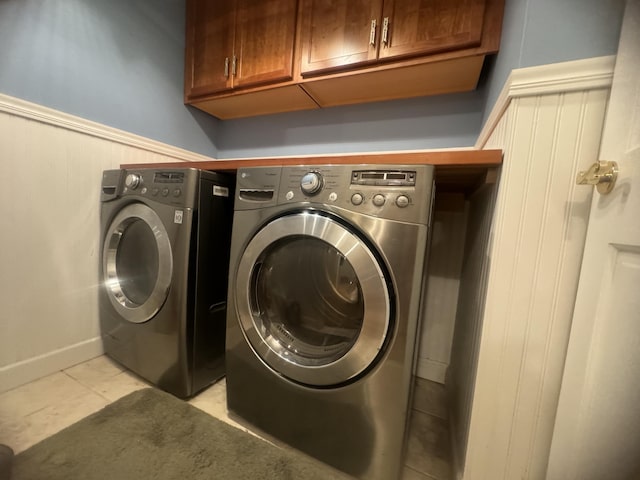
x: 338, y: 34
x: 324, y: 53
x: 424, y: 47
x: 424, y: 27
x: 238, y: 43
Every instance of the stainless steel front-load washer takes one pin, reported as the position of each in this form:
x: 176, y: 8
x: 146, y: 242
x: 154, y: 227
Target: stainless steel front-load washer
x: 325, y: 282
x: 165, y: 237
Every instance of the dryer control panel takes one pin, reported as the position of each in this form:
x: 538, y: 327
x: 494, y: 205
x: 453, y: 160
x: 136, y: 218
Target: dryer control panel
x: 396, y: 192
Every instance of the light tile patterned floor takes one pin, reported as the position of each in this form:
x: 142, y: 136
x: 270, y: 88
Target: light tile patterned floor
x: 429, y: 449
x: 34, y: 411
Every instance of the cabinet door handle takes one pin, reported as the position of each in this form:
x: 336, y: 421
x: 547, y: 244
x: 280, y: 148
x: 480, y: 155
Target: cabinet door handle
x: 372, y: 33
x: 234, y: 62
x: 226, y: 67
x: 385, y: 30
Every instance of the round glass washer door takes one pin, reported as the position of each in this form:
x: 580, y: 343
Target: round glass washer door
x: 312, y: 299
x: 137, y: 263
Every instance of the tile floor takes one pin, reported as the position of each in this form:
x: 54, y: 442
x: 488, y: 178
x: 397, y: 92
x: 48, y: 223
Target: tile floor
x: 41, y: 408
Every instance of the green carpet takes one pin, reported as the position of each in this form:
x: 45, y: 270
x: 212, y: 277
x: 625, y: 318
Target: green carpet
x: 151, y: 435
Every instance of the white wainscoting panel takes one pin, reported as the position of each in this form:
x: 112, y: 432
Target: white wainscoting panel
x: 534, y: 258
x: 52, y: 166
x: 443, y: 282
x: 467, y: 335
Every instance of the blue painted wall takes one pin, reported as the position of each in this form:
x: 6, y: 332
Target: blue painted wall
x: 539, y: 32
x: 117, y: 62
x: 120, y: 62
x: 535, y: 32
x: 411, y: 124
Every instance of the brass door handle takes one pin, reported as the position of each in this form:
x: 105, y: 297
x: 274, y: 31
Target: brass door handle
x: 601, y: 174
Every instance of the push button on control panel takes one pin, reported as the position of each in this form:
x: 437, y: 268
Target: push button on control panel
x: 357, y: 199
x: 378, y: 200
x: 402, y: 201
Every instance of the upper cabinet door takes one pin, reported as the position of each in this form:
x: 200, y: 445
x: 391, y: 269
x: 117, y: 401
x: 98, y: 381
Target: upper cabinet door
x: 338, y: 33
x: 417, y: 27
x: 210, y: 32
x: 265, y: 35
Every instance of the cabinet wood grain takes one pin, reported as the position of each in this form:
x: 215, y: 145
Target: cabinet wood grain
x: 422, y: 27
x: 338, y: 34
x: 210, y: 33
x: 237, y: 44
x: 265, y: 33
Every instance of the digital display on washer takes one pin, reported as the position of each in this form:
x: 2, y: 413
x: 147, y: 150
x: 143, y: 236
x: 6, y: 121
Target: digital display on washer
x: 168, y: 177
x: 384, y: 178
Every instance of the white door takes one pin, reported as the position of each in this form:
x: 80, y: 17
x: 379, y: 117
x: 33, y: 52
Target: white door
x: 597, y: 430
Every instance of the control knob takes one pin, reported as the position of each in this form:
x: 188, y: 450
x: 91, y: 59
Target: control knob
x: 311, y: 183
x: 132, y: 181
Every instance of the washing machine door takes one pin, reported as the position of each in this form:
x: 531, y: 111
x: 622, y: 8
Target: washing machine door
x: 137, y: 263
x: 313, y: 299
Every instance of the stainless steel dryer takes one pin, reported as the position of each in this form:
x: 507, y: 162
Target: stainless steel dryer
x: 165, y: 237
x: 325, y: 285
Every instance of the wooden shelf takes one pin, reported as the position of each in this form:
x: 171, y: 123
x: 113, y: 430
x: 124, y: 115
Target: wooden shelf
x: 456, y: 170
x: 444, y: 158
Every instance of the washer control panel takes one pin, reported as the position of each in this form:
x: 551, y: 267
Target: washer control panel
x: 174, y: 187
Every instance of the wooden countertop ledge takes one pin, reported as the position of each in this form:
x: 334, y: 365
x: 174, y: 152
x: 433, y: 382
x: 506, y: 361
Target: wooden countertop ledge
x: 456, y: 170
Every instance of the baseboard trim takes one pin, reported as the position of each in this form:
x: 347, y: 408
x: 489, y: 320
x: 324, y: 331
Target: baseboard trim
x: 431, y: 370
x: 577, y: 75
x: 42, y: 114
x: 26, y: 371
